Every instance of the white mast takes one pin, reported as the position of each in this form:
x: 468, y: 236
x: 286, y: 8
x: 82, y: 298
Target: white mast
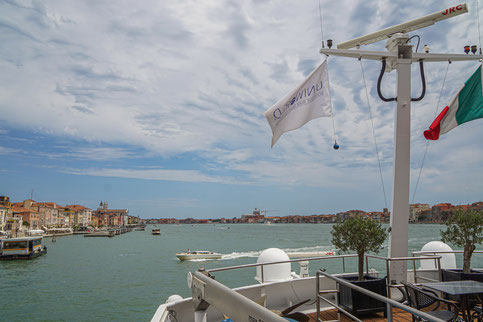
x: 400, y: 58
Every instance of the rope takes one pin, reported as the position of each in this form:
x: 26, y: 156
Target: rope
x: 478, y: 15
x: 332, y: 112
x: 427, y: 142
x: 374, y: 134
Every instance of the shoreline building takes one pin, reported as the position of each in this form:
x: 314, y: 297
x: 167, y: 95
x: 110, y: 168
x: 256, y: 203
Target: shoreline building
x: 104, y: 216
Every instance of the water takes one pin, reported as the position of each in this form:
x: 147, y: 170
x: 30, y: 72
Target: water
x: 127, y: 277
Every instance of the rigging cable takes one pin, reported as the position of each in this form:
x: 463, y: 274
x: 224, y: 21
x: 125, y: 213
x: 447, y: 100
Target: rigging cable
x: 336, y: 146
x: 374, y: 134
x: 478, y: 15
x: 321, y: 31
x: 427, y: 142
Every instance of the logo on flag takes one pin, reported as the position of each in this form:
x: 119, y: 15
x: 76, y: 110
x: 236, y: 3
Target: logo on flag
x: 310, y: 100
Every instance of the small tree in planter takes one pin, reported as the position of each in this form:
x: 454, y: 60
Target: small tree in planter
x: 359, y: 235
x: 464, y: 229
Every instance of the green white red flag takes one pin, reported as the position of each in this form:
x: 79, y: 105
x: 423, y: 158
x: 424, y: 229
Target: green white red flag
x: 465, y: 106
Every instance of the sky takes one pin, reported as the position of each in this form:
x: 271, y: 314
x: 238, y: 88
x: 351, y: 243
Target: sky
x: 157, y: 107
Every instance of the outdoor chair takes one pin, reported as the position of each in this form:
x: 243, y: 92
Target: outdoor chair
x: 419, y: 299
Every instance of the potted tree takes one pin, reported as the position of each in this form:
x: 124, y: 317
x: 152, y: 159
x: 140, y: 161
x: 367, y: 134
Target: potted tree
x: 464, y: 229
x: 361, y: 236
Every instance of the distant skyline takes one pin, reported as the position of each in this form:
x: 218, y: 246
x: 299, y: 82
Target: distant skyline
x: 157, y: 107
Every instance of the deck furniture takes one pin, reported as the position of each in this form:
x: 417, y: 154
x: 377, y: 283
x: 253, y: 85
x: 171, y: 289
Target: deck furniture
x: 420, y: 298
x: 465, y: 289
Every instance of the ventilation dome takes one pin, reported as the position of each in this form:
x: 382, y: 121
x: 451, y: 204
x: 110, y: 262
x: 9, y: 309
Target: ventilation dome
x: 448, y: 260
x: 273, y: 273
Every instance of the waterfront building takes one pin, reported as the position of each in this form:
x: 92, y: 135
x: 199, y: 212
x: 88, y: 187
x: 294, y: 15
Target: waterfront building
x: 441, y: 212
x: 27, y: 215
x: 5, y: 201
x: 111, y: 217
x: 3, y: 217
x: 48, y: 213
x: 13, y: 225
x: 416, y: 209
x: 82, y: 216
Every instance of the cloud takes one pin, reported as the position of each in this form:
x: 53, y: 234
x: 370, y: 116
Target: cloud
x: 147, y: 174
x: 8, y: 151
x: 185, y: 84
x: 94, y: 153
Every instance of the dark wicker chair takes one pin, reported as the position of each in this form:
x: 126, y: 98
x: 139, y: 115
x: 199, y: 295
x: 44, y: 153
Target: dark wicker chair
x: 419, y: 299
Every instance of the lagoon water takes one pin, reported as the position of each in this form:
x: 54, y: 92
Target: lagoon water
x: 127, y: 277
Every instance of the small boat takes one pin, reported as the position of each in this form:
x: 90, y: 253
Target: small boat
x: 22, y: 248
x: 198, y: 254
x: 156, y: 231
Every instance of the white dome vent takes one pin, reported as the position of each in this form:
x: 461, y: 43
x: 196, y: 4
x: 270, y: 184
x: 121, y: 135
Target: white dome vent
x: 448, y: 260
x: 276, y: 272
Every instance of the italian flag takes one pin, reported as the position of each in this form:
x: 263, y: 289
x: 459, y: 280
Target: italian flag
x: 465, y: 106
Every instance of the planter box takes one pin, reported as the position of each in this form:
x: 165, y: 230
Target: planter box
x: 360, y: 304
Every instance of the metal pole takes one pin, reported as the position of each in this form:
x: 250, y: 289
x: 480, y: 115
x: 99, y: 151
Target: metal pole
x: 398, y: 239
x: 317, y: 283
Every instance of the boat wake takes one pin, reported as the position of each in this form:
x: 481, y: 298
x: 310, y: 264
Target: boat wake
x: 312, y: 250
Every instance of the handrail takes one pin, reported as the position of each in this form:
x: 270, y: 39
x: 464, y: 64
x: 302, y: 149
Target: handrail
x: 206, y: 291
x: 390, y: 303
x: 213, y: 270
x: 394, y: 284
x: 444, y: 252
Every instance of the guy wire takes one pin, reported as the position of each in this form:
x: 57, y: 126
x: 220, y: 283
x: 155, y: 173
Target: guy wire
x: 374, y: 134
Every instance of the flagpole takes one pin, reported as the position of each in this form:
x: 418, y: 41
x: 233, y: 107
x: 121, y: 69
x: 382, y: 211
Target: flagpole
x: 402, y: 58
x: 399, y: 220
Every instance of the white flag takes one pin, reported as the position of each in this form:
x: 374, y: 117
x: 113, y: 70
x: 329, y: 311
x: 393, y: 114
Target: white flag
x: 308, y: 101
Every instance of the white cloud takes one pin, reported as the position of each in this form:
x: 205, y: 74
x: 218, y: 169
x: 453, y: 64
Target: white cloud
x: 194, y: 77
x: 146, y: 174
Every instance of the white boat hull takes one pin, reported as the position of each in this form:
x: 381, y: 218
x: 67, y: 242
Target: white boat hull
x: 188, y: 257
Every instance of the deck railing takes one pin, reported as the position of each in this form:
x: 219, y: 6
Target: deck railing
x: 389, y: 302
x: 394, y: 284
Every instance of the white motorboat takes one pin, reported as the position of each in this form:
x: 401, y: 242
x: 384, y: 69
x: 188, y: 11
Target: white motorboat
x: 280, y: 290
x: 198, y: 254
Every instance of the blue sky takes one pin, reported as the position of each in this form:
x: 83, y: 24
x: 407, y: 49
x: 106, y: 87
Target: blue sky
x: 157, y: 106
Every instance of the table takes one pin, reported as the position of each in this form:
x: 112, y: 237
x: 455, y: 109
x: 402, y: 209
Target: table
x: 462, y: 288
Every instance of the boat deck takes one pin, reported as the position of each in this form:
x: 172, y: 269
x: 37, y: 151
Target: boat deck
x: 331, y: 315
x: 398, y: 315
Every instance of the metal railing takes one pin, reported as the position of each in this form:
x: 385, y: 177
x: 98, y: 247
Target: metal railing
x: 389, y: 302
x: 262, y: 265
x: 388, y: 260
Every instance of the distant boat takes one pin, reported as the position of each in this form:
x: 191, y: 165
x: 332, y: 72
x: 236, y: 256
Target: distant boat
x: 198, y: 254
x: 156, y: 231
x: 21, y: 248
